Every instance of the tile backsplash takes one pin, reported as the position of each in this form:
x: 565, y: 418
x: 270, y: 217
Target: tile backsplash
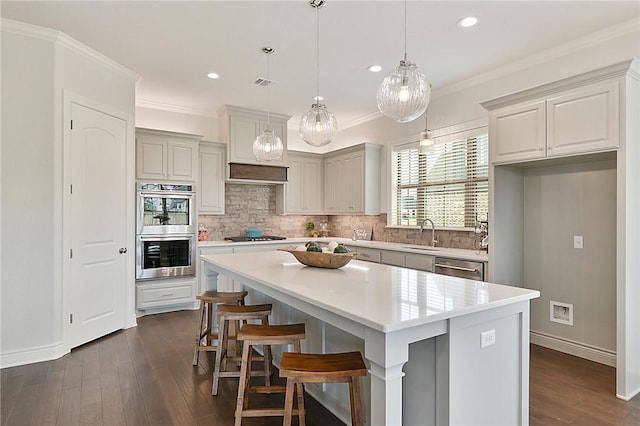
x: 255, y: 206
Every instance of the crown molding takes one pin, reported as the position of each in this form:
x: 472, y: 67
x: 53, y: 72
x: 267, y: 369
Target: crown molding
x: 581, y: 43
x: 605, y: 73
x: 161, y: 106
x: 361, y: 120
x: 61, y: 39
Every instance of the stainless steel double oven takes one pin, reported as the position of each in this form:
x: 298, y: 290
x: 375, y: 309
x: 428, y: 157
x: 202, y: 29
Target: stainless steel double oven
x: 166, y: 231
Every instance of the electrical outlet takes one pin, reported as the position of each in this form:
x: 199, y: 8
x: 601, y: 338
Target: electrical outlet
x: 578, y: 242
x: 487, y: 338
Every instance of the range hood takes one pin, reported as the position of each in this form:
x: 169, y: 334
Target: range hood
x: 251, y: 173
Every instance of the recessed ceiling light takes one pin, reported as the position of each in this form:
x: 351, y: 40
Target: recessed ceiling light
x: 469, y: 21
x: 375, y: 68
x: 318, y: 98
x: 213, y: 75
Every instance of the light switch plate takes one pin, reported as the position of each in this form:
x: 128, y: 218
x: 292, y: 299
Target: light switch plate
x: 578, y: 242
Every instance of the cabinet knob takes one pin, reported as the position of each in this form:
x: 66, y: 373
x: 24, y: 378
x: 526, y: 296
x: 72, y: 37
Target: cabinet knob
x: 122, y: 250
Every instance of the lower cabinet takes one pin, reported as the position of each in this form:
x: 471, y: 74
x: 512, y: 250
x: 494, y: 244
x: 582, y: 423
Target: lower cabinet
x: 366, y: 254
x: 421, y: 262
x: 164, y: 293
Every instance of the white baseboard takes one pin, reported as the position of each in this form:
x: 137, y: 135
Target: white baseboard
x: 592, y: 353
x: 628, y: 397
x: 32, y: 355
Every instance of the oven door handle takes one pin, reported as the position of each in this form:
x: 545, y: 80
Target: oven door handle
x: 185, y: 194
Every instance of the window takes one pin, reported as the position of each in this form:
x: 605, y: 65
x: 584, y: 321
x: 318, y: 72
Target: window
x: 449, y: 185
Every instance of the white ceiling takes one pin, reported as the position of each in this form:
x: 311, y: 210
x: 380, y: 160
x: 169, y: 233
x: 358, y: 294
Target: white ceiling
x: 173, y: 45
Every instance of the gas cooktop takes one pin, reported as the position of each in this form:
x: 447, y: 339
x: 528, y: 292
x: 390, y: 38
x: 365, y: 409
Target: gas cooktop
x: 262, y: 238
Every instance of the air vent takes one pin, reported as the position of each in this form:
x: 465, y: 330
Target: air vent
x: 262, y: 82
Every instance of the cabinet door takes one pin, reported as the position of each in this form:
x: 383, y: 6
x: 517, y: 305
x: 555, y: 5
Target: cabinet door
x: 353, y: 167
x: 583, y: 120
x: 394, y: 258
x: 517, y: 133
x: 151, y: 159
x: 419, y: 261
x: 295, y: 185
x: 313, y: 189
x: 333, y: 185
x: 243, y: 132
x: 366, y: 254
x: 211, y: 188
x: 181, y: 161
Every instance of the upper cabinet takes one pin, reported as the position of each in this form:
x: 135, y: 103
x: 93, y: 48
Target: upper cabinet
x: 211, y: 189
x: 582, y: 118
x: 305, y: 189
x: 352, y: 180
x: 166, y: 156
x: 238, y: 128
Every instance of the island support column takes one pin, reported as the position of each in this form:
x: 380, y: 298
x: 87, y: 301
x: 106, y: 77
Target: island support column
x: 386, y: 355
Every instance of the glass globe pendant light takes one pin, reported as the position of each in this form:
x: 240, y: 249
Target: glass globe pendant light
x: 405, y: 93
x: 318, y: 127
x: 426, y: 139
x: 268, y: 146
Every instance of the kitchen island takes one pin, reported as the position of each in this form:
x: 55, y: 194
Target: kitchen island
x: 463, y: 344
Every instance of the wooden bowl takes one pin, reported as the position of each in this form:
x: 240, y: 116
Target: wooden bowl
x: 321, y: 260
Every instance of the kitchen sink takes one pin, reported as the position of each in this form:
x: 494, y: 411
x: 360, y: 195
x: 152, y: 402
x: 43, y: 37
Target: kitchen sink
x: 423, y: 248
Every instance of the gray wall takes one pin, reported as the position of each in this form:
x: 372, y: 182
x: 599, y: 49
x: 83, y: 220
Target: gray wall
x: 560, y: 202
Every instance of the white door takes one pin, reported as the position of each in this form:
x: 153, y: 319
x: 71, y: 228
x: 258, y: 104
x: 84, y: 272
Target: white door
x: 98, y: 225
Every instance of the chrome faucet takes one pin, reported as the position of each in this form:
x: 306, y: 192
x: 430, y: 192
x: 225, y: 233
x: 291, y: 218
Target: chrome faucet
x: 433, y: 231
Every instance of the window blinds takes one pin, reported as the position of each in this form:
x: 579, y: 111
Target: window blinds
x: 449, y: 185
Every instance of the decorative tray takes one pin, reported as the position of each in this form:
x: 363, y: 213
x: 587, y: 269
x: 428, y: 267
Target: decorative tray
x: 321, y: 260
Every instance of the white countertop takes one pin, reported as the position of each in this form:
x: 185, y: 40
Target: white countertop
x: 380, y: 245
x: 383, y: 297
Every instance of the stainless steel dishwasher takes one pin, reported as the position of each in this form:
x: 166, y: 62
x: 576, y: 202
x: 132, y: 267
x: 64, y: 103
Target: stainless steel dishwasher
x: 459, y: 268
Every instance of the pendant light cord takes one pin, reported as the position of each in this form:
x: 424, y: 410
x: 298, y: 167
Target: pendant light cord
x: 317, y: 55
x: 268, y: 88
x: 405, y: 30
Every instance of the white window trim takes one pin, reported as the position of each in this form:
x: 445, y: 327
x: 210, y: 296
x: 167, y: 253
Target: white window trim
x: 443, y: 134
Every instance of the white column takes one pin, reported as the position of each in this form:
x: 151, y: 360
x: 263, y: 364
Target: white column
x: 211, y: 278
x: 386, y: 356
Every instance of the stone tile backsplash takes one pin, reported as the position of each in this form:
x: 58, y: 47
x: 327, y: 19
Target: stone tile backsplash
x: 255, y: 206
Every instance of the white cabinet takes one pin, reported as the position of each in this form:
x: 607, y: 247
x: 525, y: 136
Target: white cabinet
x: 566, y: 123
x: 210, y: 186
x: 163, y: 293
x: 518, y: 132
x: 583, y: 120
x: 238, y: 127
x: 163, y: 156
x: 352, y: 180
x: 366, y: 254
x: 419, y: 261
x: 305, y: 188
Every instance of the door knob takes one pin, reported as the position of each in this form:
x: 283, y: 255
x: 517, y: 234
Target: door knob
x: 122, y: 250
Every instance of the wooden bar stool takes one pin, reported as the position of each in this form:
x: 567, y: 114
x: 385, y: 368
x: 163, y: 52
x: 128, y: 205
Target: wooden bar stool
x: 322, y: 368
x: 251, y: 335
x: 205, y: 330
x: 237, y: 313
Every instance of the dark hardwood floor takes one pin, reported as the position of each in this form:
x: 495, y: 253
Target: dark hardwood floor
x: 143, y: 376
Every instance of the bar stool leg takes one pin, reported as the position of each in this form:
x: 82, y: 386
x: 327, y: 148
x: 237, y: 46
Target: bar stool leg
x: 247, y: 393
x: 209, y: 323
x: 222, y: 325
x: 245, y: 375
x: 288, y: 402
x: 196, y: 350
x: 300, y: 391
x: 357, y: 415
